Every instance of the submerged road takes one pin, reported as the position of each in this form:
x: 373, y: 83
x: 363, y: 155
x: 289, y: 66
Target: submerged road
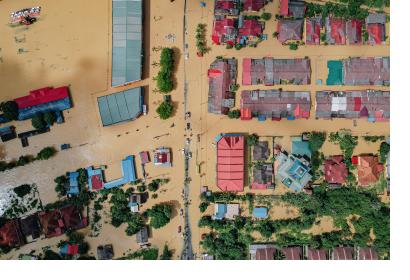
x: 187, y: 251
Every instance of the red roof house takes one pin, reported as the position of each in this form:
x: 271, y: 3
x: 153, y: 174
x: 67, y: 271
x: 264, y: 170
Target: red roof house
x: 250, y: 27
x: 230, y: 163
x: 224, y: 31
x: 376, y: 33
x: 343, y: 253
x: 290, y: 30
x: 72, y: 218
x: 354, y: 31
x: 368, y: 254
x: 10, y: 234
x: 254, y: 5
x: 292, y: 253
x: 335, y: 31
x: 368, y: 170
x: 317, y: 254
x: 335, y: 170
x: 313, y: 26
x: 41, y: 96
x: 52, y: 223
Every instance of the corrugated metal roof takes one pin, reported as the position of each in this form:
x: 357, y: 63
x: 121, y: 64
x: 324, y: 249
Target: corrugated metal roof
x: 121, y: 106
x: 126, y: 41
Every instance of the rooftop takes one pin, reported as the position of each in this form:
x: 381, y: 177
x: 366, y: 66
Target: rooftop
x: 293, y: 172
x: 369, y: 170
x: 335, y: 170
x: 290, y: 30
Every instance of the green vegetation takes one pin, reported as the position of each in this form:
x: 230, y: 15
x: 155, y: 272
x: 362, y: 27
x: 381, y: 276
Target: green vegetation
x: 347, y: 143
x: 38, y: 122
x: 252, y: 139
x: 10, y: 110
x: 156, y: 183
x: 293, y: 46
x: 234, y: 87
x: 203, y: 206
x: 44, y: 154
x: 275, y: 34
x: 144, y: 254
x: 266, y: 16
x: 166, y: 253
x: 160, y: 215
x: 200, y: 39
x: 164, y: 80
x: 234, y: 114
x: 384, y: 150
x: 350, y: 10
x: 316, y: 141
x: 238, y: 46
x: 165, y: 110
x: 49, y: 118
x: 373, y: 139
x: 22, y: 190
x: 229, y: 46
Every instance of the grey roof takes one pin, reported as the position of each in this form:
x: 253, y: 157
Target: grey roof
x: 358, y: 71
x: 293, y: 172
x: 126, y: 41
x: 376, y: 18
x: 105, y: 252
x: 263, y: 174
x: 290, y: 29
x: 373, y: 104
x: 142, y: 235
x: 121, y: 106
x: 261, y: 151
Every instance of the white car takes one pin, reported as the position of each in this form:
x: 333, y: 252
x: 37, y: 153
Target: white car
x: 144, y: 109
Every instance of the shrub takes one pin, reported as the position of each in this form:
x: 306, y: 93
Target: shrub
x: 275, y: 34
x: 10, y: 110
x: 266, y: 16
x: 165, y: 110
x: 166, y: 253
x: 203, y: 206
x: 293, y: 46
x: 164, y: 77
x: 234, y: 114
x: 46, y: 153
x: 38, y: 122
x: 229, y: 46
x: 252, y: 139
x: 141, y: 188
x: 384, y: 151
x: 22, y: 190
x: 153, y: 186
x: 49, y: 118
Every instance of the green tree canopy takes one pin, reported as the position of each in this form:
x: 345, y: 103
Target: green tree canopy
x: 165, y: 110
x: 10, y: 110
x: 160, y: 215
x: 38, y: 122
x: 49, y: 118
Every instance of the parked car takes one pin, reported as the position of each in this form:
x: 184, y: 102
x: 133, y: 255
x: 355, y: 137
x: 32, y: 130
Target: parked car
x: 179, y: 229
x: 144, y: 109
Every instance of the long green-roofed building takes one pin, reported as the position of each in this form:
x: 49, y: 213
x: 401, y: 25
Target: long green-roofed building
x: 127, y: 33
x: 121, y: 106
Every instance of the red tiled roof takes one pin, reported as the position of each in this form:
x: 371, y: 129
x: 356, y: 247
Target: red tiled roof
x: 368, y: 170
x: 72, y: 217
x: 222, y: 28
x: 10, y: 234
x: 354, y: 31
x: 292, y: 253
x: 284, y: 7
x: 72, y: 249
x: 251, y: 27
x: 230, y: 168
x: 338, y: 31
x: 376, y: 33
x: 335, y: 170
x: 224, y: 5
x: 253, y: 5
x: 312, y: 32
x: 368, y: 254
x: 317, y: 254
x: 96, y: 182
x: 265, y: 253
x: 343, y: 253
x: 40, y: 96
x: 290, y: 30
x: 51, y: 223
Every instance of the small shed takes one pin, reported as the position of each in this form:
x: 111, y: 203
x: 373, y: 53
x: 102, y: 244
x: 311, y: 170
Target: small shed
x: 142, y: 235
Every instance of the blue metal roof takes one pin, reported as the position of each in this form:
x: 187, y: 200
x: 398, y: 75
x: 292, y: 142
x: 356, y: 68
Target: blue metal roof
x: 74, y: 187
x: 121, y: 106
x: 128, y: 174
x: 260, y: 212
x: 300, y: 147
x: 127, y: 35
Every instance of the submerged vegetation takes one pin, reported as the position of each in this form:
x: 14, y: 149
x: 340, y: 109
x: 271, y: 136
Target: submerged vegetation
x: 44, y: 154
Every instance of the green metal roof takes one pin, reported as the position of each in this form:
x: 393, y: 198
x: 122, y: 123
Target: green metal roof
x: 121, y: 106
x: 127, y: 35
x: 335, y: 76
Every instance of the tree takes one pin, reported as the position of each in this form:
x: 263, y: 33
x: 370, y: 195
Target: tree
x: 159, y: 215
x: 229, y: 46
x: 38, y: 122
x: 22, y: 190
x: 46, y: 153
x: 384, y: 151
x: 234, y: 114
x: 166, y: 253
x: 135, y: 223
x: 203, y: 206
x: 165, y: 110
x: 293, y: 46
x: 51, y: 255
x: 10, y: 110
x: 252, y: 139
x: 266, y: 16
x: 49, y: 118
x: 275, y: 34
x: 153, y: 186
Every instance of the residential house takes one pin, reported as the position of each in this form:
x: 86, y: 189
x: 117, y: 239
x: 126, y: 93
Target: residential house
x: 366, y: 71
x: 135, y: 200
x: 343, y: 253
x: 262, y: 252
x: 262, y: 176
x: 300, y: 147
x: 226, y: 8
x: 253, y: 5
x: 52, y: 223
x: 274, y: 104
x: 368, y: 169
x: 222, y: 77
x: 260, y: 151
x: 128, y: 174
x: 105, y: 252
x: 226, y: 211
x: 371, y: 104
x: 142, y: 236
x: 95, y: 179
x: 10, y: 234
x: 249, y: 30
x: 313, y: 27
x: 292, y: 171
x: 354, y: 31
x: 225, y: 31
x: 290, y: 30
x: 72, y: 187
x: 73, y: 218
x: 317, y: 254
x: 271, y: 71
x: 376, y: 28
x: 292, y: 8
x: 335, y: 31
x: 230, y: 162
x: 335, y: 170
x: 367, y: 254
x: 292, y: 253
x: 30, y: 228
x: 162, y: 157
